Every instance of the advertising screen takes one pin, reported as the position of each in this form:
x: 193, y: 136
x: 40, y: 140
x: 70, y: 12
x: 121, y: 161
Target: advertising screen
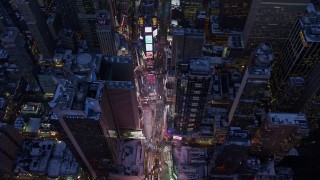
x: 148, y: 29
x: 148, y: 39
x: 155, y: 33
x: 177, y: 138
x: 149, y: 47
x: 149, y: 55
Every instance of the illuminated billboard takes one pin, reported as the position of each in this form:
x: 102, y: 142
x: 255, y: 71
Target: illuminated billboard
x: 148, y: 39
x: 149, y: 55
x: 155, y: 33
x: 154, y: 22
x: 141, y: 21
x: 149, y: 47
x: 175, y: 2
x: 148, y: 29
x: 177, y: 138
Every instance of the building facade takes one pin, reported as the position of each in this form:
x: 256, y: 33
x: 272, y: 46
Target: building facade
x: 106, y: 34
x: 193, y: 87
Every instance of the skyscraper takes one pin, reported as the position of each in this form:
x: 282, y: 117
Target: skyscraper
x: 193, y: 87
x: 87, y: 10
x: 81, y: 121
x: 36, y: 23
x: 299, y: 58
x: 186, y: 43
x: 121, y: 92
x: 94, y: 116
x: 105, y: 33
x: 271, y: 21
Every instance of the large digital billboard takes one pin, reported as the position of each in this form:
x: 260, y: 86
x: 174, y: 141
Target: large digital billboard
x: 149, y: 47
x: 149, y: 55
x: 148, y: 29
x: 148, y: 39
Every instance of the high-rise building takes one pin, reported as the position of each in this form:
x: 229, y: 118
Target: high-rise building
x: 253, y: 92
x: 83, y: 17
x: 192, y: 89
x: 37, y: 25
x: 299, y: 58
x: 92, y: 117
x: 15, y: 45
x: 105, y: 33
x: 233, y: 14
x: 11, y: 142
x: 81, y: 119
x: 186, y: 43
x: 121, y: 92
x: 271, y: 21
x: 279, y: 133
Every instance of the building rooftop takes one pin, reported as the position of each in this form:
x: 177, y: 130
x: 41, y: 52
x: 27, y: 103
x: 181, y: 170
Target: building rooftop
x: 33, y: 125
x: 299, y: 120
x: 311, y: 27
x: 132, y: 157
x: 46, y: 157
x: 78, y: 96
x: 237, y: 136
x: 259, y: 71
x: 297, y: 81
x: 263, y: 55
x: 200, y: 66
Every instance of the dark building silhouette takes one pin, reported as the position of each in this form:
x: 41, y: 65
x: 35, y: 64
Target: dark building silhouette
x: 233, y: 14
x: 37, y: 25
x: 298, y: 65
x: 271, y: 21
